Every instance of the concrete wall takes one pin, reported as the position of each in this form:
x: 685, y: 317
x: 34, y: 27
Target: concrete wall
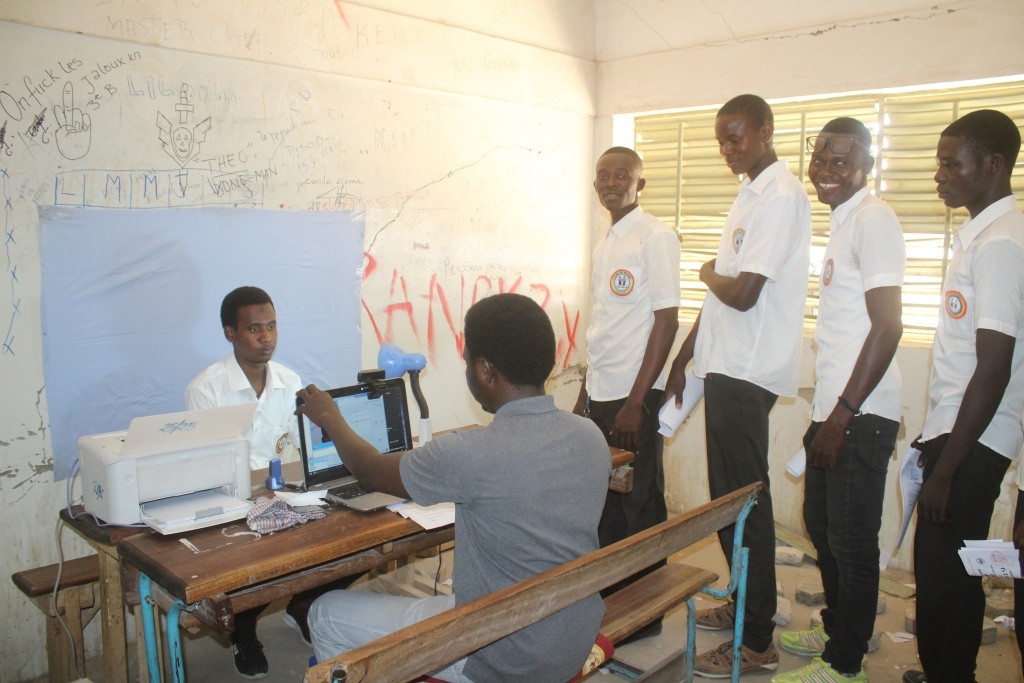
x: 460, y: 131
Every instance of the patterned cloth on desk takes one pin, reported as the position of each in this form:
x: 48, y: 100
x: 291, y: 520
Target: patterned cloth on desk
x: 273, y: 514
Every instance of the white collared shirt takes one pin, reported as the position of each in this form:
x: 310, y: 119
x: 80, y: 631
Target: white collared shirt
x: 636, y: 272
x: 768, y: 231
x: 274, y: 432
x: 984, y: 289
x: 866, y: 250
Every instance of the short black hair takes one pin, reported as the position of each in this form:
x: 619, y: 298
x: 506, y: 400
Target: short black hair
x: 628, y: 152
x: 988, y: 131
x: 236, y: 298
x: 750, y: 107
x: 850, y: 126
x: 513, y: 334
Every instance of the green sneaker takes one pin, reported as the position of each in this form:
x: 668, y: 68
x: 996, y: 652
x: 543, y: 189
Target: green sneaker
x: 804, y: 643
x: 818, y: 671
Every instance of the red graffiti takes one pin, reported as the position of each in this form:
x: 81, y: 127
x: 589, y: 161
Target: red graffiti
x: 451, y: 310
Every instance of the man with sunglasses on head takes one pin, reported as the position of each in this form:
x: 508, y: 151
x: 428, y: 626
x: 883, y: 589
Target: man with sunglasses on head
x: 856, y: 408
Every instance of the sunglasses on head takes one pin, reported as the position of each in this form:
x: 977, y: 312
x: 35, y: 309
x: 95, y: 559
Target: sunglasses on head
x: 839, y: 144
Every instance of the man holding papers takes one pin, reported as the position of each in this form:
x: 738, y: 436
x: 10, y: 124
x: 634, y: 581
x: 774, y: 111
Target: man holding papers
x: 976, y: 394
x: 856, y: 408
x: 746, y: 345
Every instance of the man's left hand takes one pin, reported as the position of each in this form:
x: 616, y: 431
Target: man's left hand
x: 827, y: 445
x: 626, y: 430
x: 706, y: 270
x: 317, y: 405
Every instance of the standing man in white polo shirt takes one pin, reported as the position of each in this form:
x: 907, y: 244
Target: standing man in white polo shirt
x: 632, y: 326
x: 746, y: 345
x: 855, y: 414
x: 976, y: 396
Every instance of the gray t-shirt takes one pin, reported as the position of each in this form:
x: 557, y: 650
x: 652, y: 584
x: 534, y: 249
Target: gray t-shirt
x: 528, y: 492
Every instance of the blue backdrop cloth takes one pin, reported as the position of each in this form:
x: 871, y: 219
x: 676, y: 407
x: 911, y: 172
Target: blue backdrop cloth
x: 130, y: 305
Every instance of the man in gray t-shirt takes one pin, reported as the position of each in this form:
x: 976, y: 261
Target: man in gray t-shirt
x: 528, y: 492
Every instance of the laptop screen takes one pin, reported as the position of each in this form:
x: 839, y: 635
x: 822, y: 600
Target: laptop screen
x: 380, y: 417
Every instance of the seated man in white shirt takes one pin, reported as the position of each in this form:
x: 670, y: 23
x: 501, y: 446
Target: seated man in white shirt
x: 528, y: 492
x: 249, y: 375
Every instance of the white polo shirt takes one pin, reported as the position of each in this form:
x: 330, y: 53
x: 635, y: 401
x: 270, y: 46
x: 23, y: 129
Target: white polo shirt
x: 636, y: 272
x: 984, y: 289
x: 865, y: 250
x: 768, y: 231
x: 274, y: 432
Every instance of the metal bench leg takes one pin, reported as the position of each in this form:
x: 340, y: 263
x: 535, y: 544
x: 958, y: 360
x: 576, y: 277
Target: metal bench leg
x: 691, y: 639
x: 174, y: 642
x: 737, y: 585
x: 149, y: 628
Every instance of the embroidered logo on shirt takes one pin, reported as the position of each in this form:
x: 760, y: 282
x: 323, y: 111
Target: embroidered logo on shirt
x: 826, y: 272
x: 956, y: 304
x: 281, y: 443
x: 621, y: 282
x: 737, y: 239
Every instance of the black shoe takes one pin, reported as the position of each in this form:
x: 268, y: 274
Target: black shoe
x: 250, y: 662
x: 914, y: 676
x: 297, y: 619
x: 652, y: 629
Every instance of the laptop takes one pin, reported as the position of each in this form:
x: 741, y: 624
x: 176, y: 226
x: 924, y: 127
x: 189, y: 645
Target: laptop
x: 378, y: 412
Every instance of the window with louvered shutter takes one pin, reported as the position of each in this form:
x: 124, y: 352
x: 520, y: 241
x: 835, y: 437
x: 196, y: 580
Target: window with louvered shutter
x: 690, y: 187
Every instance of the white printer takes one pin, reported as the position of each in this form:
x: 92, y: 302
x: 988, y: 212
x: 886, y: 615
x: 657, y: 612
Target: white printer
x: 175, y: 472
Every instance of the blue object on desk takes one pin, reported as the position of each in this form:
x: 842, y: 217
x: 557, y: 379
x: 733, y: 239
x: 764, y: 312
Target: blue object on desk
x: 275, y: 480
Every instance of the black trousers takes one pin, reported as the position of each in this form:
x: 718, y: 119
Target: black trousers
x: 627, y: 513
x: 736, y: 426
x: 951, y: 602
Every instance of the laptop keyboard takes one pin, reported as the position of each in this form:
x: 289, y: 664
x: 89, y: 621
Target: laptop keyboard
x: 348, y: 491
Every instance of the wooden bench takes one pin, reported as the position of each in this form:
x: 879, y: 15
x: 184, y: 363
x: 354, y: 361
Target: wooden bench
x: 436, y: 642
x: 76, y: 605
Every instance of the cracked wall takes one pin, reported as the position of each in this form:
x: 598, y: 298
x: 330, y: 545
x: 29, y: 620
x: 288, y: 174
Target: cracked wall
x: 466, y: 147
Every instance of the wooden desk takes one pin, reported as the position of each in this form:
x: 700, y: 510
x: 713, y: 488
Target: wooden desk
x: 230, y: 574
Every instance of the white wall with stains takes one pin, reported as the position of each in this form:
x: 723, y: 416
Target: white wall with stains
x: 462, y: 136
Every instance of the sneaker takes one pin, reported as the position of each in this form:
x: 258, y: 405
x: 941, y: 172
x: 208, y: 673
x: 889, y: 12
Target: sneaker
x: 914, y: 676
x: 804, y: 643
x: 297, y: 622
x: 250, y: 662
x: 717, y: 663
x: 819, y: 671
x: 717, y: 618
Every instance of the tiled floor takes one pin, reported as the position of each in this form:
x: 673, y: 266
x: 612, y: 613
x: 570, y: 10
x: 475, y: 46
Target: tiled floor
x: 208, y: 658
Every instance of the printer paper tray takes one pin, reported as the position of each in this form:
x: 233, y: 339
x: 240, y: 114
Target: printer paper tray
x: 193, y: 511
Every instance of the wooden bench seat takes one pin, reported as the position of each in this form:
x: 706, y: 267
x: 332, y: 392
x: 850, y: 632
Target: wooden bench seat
x: 436, y: 642
x: 76, y: 604
x: 641, y: 602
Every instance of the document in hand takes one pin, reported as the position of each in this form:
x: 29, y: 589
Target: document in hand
x: 672, y: 418
x: 990, y: 558
x: 911, y: 479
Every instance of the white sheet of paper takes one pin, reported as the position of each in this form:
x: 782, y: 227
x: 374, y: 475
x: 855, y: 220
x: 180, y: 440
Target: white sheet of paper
x: 672, y: 418
x: 301, y: 498
x: 797, y: 465
x: 911, y: 479
x: 431, y: 517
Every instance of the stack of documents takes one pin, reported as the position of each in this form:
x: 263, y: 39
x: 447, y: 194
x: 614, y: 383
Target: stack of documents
x: 991, y: 558
x: 431, y: 517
